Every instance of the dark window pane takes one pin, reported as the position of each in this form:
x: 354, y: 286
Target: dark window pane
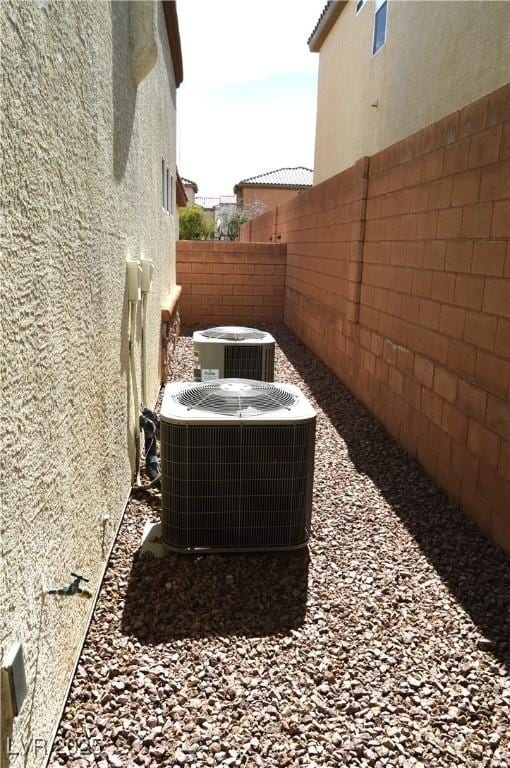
x: 163, y: 201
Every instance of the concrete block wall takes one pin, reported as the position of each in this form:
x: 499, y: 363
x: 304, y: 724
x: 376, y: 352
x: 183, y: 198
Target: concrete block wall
x: 324, y: 235
x: 261, y: 229
x: 398, y: 277
x: 231, y: 282
x: 436, y: 292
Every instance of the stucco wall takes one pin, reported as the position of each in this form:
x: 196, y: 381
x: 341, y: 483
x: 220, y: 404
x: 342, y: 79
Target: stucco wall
x: 438, y: 57
x: 81, y: 188
x: 267, y: 197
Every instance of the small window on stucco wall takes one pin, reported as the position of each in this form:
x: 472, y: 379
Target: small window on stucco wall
x: 167, y: 188
x: 170, y: 192
x: 380, y: 19
x: 163, y: 185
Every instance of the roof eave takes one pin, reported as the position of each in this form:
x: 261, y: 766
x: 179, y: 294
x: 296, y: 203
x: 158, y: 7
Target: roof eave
x: 325, y: 24
x: 174, y: 38
x: 190, y: 183
x: 272, y: 186
x: 181, y: 196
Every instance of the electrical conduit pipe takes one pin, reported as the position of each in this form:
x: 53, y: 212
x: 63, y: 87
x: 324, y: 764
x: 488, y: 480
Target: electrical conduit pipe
x: 134, y: 276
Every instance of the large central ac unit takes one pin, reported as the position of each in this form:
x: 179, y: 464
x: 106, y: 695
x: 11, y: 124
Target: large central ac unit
x: 236, y: 466
x: 233, y: 352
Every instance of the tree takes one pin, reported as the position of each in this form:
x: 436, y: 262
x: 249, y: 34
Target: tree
x: 234, y: 224
x: 194, y: 224
x: 229, y: 223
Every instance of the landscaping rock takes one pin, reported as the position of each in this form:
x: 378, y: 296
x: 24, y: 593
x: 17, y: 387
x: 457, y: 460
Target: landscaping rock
x: 386, y: 644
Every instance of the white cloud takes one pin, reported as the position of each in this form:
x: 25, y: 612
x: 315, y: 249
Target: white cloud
x: 247, y: 104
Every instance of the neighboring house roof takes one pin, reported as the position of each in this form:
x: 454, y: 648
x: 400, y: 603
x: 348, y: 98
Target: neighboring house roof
x: 282, y: 177
x: 181, y: 196
x: 174, y: 38
x: 329, y: 15
x: 190, y: 183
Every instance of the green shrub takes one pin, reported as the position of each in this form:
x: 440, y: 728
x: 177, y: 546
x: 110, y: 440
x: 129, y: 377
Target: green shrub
x: 194, y: 224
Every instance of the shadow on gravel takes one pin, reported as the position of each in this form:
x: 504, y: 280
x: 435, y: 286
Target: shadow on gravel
x: 182, y: 596
x: 475, y: 570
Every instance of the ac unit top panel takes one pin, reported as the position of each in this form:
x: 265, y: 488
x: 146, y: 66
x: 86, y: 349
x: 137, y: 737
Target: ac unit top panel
x: 229, y: 401
x: 230, y: 334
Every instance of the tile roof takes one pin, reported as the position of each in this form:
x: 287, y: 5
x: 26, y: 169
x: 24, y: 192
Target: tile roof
x: 319, y: 20
x: 325, y: 22
x: 190, y: 182
x: 282, y: 177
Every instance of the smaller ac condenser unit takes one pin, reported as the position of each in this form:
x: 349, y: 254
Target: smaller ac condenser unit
x: 233, y: 352
x: 236, y: 466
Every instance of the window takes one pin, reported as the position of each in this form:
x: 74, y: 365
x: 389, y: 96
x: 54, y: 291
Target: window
x: 380, y: 17
x: 167, y: 188
x: 359, y: 5
x: 163, y: 189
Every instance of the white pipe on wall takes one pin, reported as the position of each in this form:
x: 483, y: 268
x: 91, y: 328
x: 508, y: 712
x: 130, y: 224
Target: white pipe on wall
x: 134, y: 284
x: 144, y: 349
x: 134, y: 383
x: 147, y: 267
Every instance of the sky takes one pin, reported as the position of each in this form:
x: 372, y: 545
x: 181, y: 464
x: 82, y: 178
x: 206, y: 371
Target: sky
x: 248, y: 101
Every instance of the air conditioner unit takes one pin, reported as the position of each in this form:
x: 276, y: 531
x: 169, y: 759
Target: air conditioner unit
x: 233, y: 352
x: 236, y: 466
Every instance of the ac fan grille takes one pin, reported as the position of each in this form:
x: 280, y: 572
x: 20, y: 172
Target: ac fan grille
x: 237, y: 486
x: 244, y: 362
x: 268, y: 363
x: 232, y: 333
x: 234, y: 397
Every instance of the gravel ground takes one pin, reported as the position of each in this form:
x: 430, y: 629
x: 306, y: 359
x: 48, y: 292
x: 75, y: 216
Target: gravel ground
x: 386, y: 644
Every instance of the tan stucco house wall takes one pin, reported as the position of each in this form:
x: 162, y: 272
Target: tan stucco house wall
x: 438, y: 57
x: 82, y: 153
x: 263, y: 198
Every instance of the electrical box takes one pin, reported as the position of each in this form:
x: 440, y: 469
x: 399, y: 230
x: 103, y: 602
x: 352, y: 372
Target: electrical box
x: 134, y: 280
x: 147, y: 273
x: 13, y: 670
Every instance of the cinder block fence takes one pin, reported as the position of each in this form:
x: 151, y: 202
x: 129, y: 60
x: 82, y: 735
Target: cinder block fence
x: 224, y: 282
x: 398, y: 277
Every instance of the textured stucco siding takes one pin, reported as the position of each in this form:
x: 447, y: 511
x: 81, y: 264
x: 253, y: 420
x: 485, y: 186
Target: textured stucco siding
x: 438, y: 57
x: 266, y: 197
x: 81, y: 190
